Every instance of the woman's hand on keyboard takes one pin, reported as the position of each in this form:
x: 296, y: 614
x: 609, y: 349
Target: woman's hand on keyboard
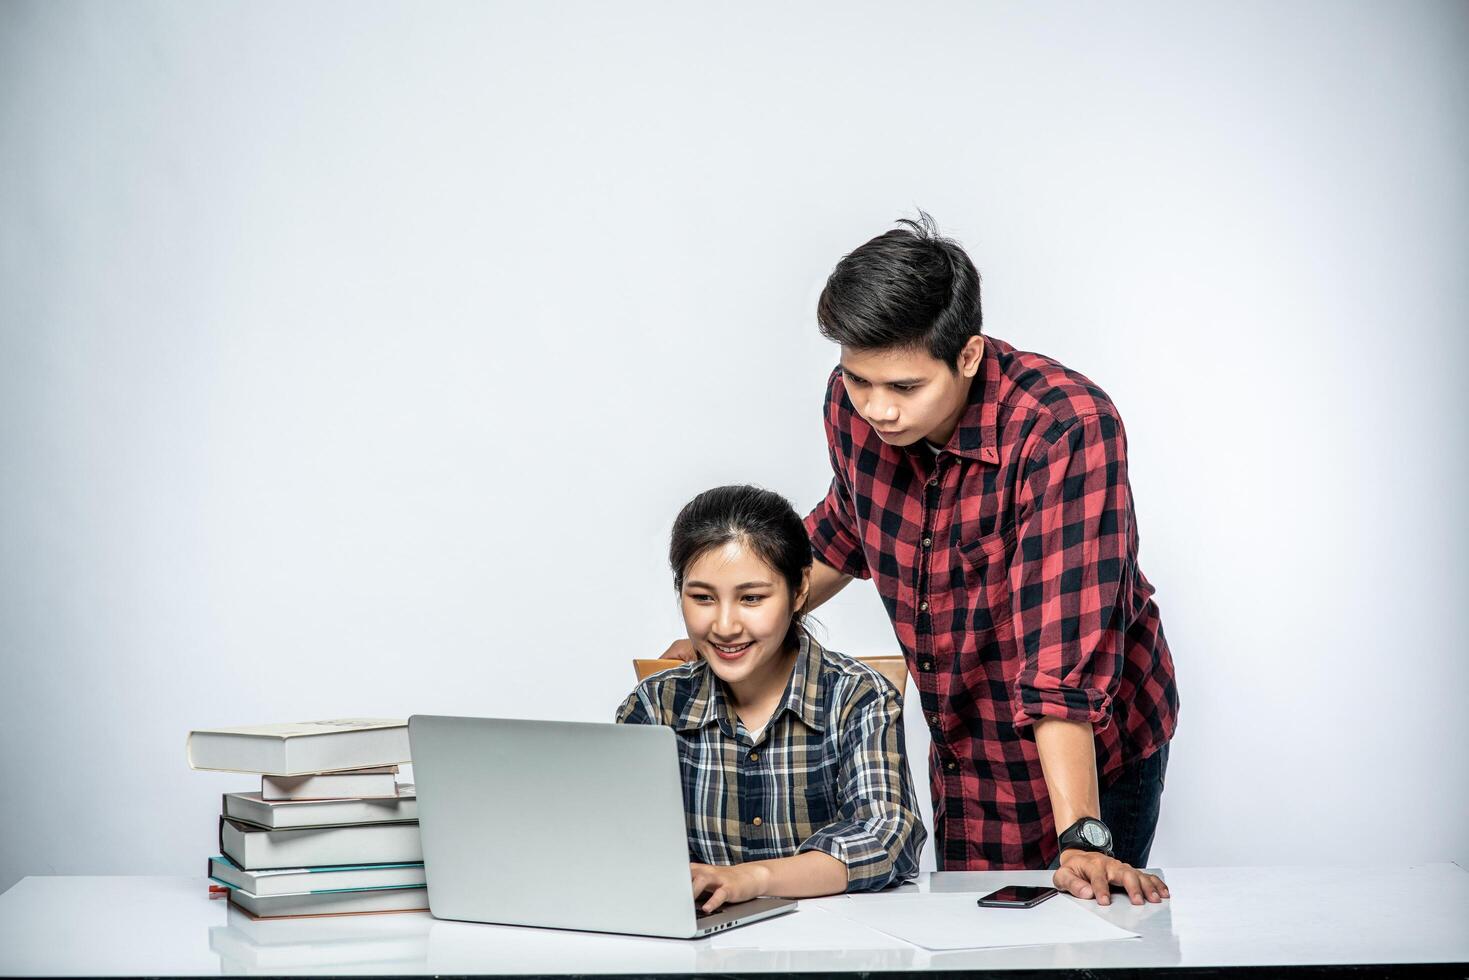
x: 715, y: 886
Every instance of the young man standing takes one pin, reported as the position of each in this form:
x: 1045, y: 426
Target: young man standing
x: 984, y: 490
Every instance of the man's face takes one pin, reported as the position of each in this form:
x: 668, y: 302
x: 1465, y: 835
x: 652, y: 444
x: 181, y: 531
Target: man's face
x: 907, y: 394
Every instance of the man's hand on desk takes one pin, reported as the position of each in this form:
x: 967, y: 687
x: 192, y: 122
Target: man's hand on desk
x: 681, y: 650
x: 727, y: 885
x: 1087, y: 874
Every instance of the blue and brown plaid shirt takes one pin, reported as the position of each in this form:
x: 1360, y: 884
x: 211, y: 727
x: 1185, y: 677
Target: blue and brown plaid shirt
x: 828, y: 773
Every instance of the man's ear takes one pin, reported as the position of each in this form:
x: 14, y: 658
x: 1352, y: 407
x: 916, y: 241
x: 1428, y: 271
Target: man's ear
x: 970, y: 356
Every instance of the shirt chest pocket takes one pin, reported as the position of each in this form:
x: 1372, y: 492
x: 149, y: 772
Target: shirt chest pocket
x: 815, y: 804
x: 985, y: 566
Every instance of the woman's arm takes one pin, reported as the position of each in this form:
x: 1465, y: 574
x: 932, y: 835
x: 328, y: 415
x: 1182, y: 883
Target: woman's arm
x: 802, y: 876
x: 877, y: 833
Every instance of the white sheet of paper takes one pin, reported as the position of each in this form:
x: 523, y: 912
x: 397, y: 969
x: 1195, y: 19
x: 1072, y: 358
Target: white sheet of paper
x: 956, y: 922
x: 809, y: 927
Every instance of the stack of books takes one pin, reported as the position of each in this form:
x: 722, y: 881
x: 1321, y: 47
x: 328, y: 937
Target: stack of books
x: 330, y: 831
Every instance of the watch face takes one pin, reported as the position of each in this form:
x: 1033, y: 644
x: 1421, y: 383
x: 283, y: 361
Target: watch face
x: 1095, y: 834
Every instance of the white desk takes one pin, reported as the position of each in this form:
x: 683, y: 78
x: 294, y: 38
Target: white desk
x: 1296, y: 917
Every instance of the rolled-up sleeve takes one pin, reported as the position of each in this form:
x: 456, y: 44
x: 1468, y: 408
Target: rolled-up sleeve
x: 878, y: 834
x: 1070, y: 574
x: 832, y: 526
x: 634, y: 711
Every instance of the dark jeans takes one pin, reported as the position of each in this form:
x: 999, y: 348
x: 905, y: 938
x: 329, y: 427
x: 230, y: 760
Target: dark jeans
x: 1130, y: 808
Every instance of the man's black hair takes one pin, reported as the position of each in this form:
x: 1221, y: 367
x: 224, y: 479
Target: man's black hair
x: 907, y: 288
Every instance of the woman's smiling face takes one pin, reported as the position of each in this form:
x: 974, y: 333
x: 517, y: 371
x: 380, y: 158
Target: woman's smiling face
x: 738, y: 613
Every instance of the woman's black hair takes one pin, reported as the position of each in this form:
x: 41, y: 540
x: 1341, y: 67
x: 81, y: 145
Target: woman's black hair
x: 909, y: 288
x: 761, y: 520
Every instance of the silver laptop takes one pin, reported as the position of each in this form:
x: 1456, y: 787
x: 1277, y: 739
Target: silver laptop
x: 559, y: 824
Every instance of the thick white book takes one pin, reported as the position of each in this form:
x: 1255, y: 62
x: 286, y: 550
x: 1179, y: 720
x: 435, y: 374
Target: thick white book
x: 301, y: 748
x: 357, y: 784
x: 305, y: 881
x: 280, y: 814
x: 333, y: 903
x: 253, y: 848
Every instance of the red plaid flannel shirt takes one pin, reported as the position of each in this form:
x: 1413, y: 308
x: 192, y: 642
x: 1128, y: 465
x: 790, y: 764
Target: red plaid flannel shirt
x: 1008, y: 565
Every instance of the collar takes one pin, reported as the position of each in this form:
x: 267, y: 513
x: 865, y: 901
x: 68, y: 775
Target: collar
x: 977, y: 434
x: 710, y: 702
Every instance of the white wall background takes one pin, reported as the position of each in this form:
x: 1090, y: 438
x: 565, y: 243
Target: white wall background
x: 355, y: 359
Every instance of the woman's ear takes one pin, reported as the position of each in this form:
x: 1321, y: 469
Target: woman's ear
x: 799, y: 603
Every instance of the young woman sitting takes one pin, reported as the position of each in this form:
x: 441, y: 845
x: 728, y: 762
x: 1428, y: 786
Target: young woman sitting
x: 795, y: 781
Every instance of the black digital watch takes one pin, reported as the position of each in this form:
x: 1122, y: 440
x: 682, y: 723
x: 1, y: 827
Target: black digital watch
x: 1087, y: 834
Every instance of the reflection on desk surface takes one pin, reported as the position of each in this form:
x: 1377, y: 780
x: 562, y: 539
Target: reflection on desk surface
x: 1309, y: 917
x: 391, y: 942
x: 1217, y: 917
x: 814, y: 938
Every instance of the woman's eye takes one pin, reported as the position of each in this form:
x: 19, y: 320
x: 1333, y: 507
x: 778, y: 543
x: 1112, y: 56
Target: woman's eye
x: 752, y: 599
x: 700, y: 597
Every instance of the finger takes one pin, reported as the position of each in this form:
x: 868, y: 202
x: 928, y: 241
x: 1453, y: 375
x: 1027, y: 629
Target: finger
x: 1100, y: 885
x: 1153, y: 885
x: 717, y: 899
x: 1131, y: 882
x: 1072, y: 883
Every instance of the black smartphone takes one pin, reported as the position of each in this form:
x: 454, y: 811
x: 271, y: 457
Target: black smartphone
x: 1016, y: 897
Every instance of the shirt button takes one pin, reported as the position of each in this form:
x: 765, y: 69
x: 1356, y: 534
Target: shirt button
x: 926, y: 665
x: 927, y: 542
x: 757, y: 820
x: 933, y: 720
x: 952, y: 767
x: 934, y: 482
x: 923, y: 607
x: 754, y: 756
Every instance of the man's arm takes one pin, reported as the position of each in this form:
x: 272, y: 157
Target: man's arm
x: 825, y: 583
x: 1069, y: 763
x: 1072, y: 571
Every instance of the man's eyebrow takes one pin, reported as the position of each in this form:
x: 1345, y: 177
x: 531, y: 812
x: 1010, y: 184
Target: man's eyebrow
x: 908, y: 382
